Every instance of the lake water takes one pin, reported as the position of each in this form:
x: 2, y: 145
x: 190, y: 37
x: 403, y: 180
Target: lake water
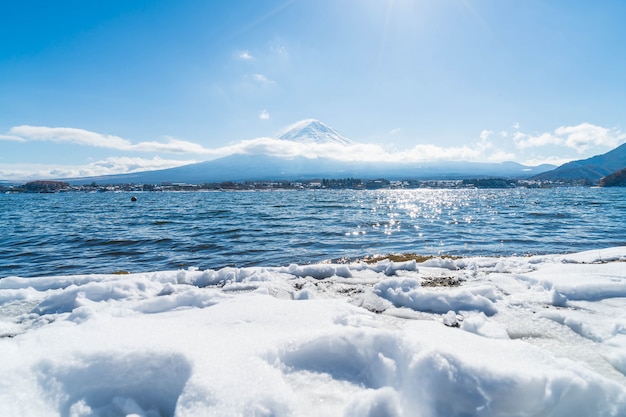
x: 72, y: 233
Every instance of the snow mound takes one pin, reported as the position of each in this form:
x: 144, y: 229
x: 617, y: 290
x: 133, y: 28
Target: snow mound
x: 117, y: 384
x: 490, y: 337
x: 407, y: 292
x: 404, y: 374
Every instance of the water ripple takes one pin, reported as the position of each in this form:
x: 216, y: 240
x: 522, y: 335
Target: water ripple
x: 47, y: 234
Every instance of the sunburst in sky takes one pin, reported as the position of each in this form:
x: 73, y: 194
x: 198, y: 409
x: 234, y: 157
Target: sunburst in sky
x: 112, y: 86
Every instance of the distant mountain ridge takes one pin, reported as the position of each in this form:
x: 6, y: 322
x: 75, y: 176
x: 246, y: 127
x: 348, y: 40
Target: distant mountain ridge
x: 589, y: 170
x: 265, y: 167
x: 260, y: 167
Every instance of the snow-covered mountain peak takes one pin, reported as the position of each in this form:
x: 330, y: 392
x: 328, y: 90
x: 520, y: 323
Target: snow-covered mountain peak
x: 313, y: 131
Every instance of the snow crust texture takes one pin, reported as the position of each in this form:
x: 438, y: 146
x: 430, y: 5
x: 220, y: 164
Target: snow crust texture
x: 533, y: 336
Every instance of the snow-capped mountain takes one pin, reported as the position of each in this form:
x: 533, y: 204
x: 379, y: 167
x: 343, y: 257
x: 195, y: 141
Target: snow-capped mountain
x: 262, y: 165
x: 313, y: 131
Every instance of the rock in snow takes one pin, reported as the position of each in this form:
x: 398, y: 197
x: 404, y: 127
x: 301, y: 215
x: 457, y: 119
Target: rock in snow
x: 537, y: 336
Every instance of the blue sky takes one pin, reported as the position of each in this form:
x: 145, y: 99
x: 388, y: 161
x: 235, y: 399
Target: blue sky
x: 101, y: 87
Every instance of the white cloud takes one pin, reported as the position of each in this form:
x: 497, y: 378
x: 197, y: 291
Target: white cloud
x: 360, y: 152
x: 516, y: 126
x: 262, y: 79
x: 481, y: 150
x: 268, y: 146
x: 128, y: 164
x: 524, y: 141
x: 484, y: 135
x: 427, y: 152
x: 245, y: 55
x: 279, y: 50
x: 484, y: 144
x: 70, y: 135
x: 107, y: 166
x: 87, y: 138
x: 172, y: 145
x: 585, y: 135
x: 500, y: 155
x: 12, y: 138
x: 580, y: 137
x: 264, y: 115
x: 552, y: 160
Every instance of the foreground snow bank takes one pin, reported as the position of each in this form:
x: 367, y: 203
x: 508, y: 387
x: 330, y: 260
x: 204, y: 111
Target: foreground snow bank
x: 533, y: 336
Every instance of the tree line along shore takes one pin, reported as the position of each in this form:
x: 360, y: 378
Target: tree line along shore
x: 48, y: 186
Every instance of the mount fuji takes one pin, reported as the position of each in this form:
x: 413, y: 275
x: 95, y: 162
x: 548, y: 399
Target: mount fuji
x: 262, y: 165
x: 313, y: 131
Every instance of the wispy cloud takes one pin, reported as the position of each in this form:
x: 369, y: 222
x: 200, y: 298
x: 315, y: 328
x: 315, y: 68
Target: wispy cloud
x: 484, y: 144
x: 524, y: 141
x: 88, y: 138
x: 585, y: 135
x: 580, y: 137
x: 108, y: 166
x: 500, y: 155
x: 262, y: 79
x: 552, y: 160
x: 12, y: 138
x: 245, y: 55
x: 361, y: 152
x: 271, y: 146
x: 128, y: 164
x: 172, y: 145
x: 70, y: 135
x: 279, y: 50
x: 484, y: 135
